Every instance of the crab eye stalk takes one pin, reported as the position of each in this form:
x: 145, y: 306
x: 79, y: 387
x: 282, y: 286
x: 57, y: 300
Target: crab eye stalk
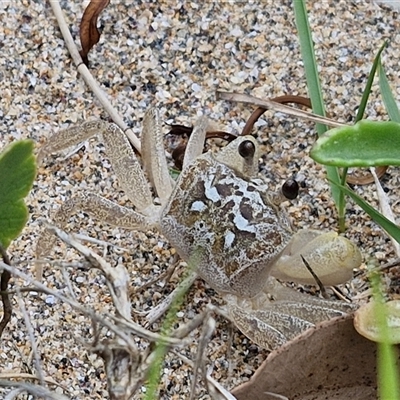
x: 290, y: 189
x: 247, y: 149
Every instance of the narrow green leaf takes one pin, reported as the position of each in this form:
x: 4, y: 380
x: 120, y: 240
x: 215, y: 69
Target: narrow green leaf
x: 161, y: 349
x: 387, y: 95
x: 391, y: 228
x: 309, y: 61
x: 365, y: 144
x: 17, y: 173
x: 314, y: 86
x: 370, y: 81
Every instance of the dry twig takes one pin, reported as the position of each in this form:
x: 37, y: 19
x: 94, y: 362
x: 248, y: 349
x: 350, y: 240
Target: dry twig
x: 87, y: 76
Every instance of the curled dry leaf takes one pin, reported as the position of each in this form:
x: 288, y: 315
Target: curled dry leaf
x: 366, y: 323
x: 362, y: 176
x: 89, y: 33
x: 329, y: 361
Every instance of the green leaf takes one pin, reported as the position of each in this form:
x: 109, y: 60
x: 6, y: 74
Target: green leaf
x: 370, y: 81
x: 17, y: 173
x: 314, y: 89
x: 387, y: 95
x: 154, y: 372
x: 309, y: 61
x: 391, y: 228
x: 365, y: 144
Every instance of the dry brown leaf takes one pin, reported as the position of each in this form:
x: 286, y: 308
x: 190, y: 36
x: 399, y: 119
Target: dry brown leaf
x: 89, y: 33
x: 330, y: 361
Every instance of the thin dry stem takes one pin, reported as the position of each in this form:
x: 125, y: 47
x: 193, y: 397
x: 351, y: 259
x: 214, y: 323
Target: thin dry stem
x: 31, y: 334
x: 386, y: 210
x: 87, y: 76
x: 199, y: 364
x: 117, y: 278
x: 278, y: 107
x: 23, y: 375
x: 216, y: 391
x: 4, y: 279
x: 35, y: 390
x: 136, y: 328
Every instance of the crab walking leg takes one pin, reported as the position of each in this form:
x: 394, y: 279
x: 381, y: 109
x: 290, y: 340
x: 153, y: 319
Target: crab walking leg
x: 279, y: 313
x: 126, y: 166
x: 196, y: 141
x: 265, y: 327
x: 71, y: 136
x: 280, y: 321
x: 123, y: 159
x: 99, y: 208
x: 153, y: 155
x: 281, y: 293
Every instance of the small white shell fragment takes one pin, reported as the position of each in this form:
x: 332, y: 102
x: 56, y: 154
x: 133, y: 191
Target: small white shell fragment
x: 50, y: 300
x: 196, y: 88
x: 366, y: 322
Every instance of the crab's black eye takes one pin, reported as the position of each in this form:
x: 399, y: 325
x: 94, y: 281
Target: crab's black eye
x: 247, y: 149
x: 290, y: 189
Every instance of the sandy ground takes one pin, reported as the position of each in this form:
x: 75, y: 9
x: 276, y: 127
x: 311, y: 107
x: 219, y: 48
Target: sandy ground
x: 174, y: 55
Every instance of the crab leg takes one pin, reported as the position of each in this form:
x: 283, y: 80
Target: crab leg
x: 196, y: 141
x: 123, y: 159
x: 126, y: 166
x: 276, y: 322
x: 130, y: 177
x: 99, y: 208
x: 153, y: 155
x: 69, y: 137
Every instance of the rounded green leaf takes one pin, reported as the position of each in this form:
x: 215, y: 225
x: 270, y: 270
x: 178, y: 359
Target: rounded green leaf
x: 365, y: 144
x: 17, y: 173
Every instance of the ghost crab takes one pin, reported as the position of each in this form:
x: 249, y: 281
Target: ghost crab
x: 220, y: 209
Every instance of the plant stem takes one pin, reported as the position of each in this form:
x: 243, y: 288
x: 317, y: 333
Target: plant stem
x: 315, y: 92
x: 161, y: 347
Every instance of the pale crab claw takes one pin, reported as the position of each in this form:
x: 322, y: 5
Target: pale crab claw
x: 331, y: 257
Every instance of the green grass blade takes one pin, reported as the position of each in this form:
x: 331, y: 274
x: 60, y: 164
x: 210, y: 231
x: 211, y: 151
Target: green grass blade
x: 392, y: 229
x: 309, y: 61
x: 370, y: 81
x: 314, y: 88
x: 154, y: 373
x: 388, y: 380
x: 387, y: 95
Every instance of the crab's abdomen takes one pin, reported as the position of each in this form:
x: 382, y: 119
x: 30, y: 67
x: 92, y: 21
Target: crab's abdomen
x: 229, y: 222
